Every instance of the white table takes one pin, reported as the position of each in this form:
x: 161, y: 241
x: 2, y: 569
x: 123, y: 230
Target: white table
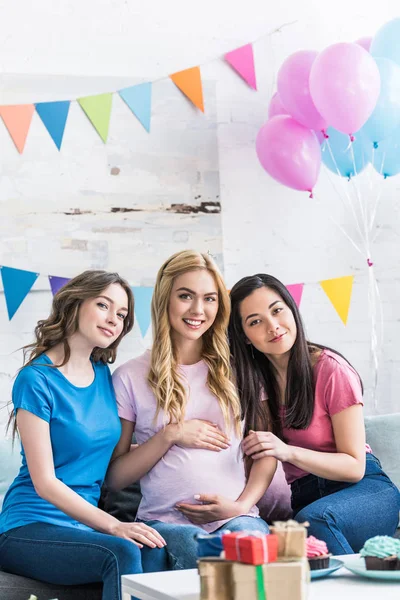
x: 185, y: 585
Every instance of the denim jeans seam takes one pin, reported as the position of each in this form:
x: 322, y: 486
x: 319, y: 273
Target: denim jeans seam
x: 324, y: 516
x: 79, y: 545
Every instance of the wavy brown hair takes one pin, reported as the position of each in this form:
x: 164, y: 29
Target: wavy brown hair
x: 63, y: 320
x: 164, y: 378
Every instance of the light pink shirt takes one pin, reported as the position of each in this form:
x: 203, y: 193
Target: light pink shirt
x: 181, y: 472
x: 337, y: 386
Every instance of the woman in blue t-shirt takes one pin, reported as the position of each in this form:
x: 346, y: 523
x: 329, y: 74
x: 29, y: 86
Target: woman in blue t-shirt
x: 65, y: 412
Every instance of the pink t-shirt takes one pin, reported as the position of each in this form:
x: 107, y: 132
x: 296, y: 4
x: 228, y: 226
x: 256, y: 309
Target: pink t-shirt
x: 337, y: 386
x: 181, y: 472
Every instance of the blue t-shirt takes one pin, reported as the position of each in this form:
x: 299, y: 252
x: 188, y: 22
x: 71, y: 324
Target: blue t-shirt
x: 84, y: 429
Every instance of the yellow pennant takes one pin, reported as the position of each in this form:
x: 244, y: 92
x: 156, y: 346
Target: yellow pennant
x: 339, y: 293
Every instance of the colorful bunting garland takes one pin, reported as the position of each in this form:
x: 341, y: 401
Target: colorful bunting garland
x: 97, y: 108
x: 17, y: 284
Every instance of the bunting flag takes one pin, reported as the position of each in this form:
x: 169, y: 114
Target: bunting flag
x: 143, y: 307
x: 242, y: 61
x: 56, y: 283
x: 138, y: 98
x: 54, y: 116
x: 339, y: 293
x: 17, y: 285
x: 98, y: 111
x: 189, y: 82
x: 18, y: 119
x: 296, y: 290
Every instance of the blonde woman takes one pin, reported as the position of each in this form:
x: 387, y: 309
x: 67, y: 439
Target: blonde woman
x: 180, y: 401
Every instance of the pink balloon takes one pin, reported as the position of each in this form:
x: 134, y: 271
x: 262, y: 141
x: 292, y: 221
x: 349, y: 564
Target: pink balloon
x: 289, y: 152
x: 276, y: 107
x: 365, y: 42
x: 294, y: 89
x: 345, y: 85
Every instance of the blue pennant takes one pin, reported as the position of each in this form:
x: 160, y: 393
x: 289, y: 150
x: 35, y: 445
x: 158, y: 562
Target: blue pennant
x: 17, y: 285
x: 54, y: 116
x: 138, y: 98
x: 143, y: 307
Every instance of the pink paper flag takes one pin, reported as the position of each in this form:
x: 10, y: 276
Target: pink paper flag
x: 242, y: 60
x: 296, y: 290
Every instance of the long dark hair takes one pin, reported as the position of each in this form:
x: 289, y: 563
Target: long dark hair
x: 63, y: 321
x: 256, y: 375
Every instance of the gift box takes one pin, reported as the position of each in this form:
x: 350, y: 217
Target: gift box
x: 272, y: 581
x: 253, y: 548
x: 215, y: 579
x: 291, y: 539
x: 209, y: 544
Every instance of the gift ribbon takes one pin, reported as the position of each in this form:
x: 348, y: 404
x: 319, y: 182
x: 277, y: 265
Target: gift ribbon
x: 261, y: 595
x: 256, y: 534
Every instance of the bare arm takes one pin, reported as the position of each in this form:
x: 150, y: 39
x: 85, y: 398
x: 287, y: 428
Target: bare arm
x: 129, y: 465
x: 346, y: 464
x: 35, y: 437
x: 259, y: 480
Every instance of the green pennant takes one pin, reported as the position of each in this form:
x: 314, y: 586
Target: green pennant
x: 260, y: 583
x: 98, y: 110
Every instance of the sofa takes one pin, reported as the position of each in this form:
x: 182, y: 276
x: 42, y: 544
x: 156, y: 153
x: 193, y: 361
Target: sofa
x: 382, y: 435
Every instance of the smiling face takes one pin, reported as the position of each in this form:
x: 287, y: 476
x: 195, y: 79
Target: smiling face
x: 193, y: 305
x: 268, y: 322
x: 101, y: 319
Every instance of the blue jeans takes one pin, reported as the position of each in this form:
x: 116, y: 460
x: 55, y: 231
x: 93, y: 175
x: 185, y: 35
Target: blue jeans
x: 181, y: 549
x: 68, y: 556
x: 343, y: 514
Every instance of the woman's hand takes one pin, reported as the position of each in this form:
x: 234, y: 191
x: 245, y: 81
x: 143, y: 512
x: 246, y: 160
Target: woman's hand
x: 139, y: 534
x: 199, y: 434
x: 213, y: 508
x: 264, y: 443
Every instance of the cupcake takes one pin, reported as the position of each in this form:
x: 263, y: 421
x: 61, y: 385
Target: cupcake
x: 317, y: 553
x: 381, y: 553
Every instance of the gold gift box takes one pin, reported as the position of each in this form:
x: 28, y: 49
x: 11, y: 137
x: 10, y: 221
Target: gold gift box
x: 291, y: 539
x: 281, y: 581
x: 224, y: 580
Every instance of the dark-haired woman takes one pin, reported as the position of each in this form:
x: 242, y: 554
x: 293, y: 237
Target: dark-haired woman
x: 66, y: 415
x: 303, y: 405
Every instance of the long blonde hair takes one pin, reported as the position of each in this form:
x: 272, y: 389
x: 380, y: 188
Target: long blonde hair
x: 164, y: 379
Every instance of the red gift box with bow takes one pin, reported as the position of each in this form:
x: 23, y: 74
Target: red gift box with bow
x: 252, y: 548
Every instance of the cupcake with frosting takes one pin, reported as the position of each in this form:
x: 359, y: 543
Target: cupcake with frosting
x: 381, y: 553
x: 317, y: 553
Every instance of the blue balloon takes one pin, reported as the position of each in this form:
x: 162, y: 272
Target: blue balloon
x: 337, y: 153
x: 385, y: 44
x: 385, y: 117
x: 386, y: 158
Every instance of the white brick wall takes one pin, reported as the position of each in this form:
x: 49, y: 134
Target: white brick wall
x: 103, y: 45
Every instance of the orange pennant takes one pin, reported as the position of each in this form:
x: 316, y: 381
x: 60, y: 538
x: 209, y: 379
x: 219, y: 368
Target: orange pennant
x: 189, y: 82
x: 18, y: 119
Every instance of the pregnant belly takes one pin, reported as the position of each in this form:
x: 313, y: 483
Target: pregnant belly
x: 183, y: 473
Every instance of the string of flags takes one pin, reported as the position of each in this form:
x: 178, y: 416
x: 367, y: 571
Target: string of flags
x: 97, y: 108
x: 17, y: 283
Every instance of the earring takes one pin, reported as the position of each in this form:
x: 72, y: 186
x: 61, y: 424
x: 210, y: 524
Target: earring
x: 252, y: 351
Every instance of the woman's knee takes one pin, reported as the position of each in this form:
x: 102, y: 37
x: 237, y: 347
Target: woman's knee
x: 126, y: 555
x: 248, y: 524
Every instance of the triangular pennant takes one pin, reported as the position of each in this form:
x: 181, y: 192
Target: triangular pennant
x: 17, y: 285
x: 54, y: 116
x: 56, y: 283
x: 138, y: 98
x: 143, y: 307
x: 242, y: 60
x: 339, y: 293
x: 18, y: 119
x: 98, y: 111
x: 296, y: 290
x: 189, y: 82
